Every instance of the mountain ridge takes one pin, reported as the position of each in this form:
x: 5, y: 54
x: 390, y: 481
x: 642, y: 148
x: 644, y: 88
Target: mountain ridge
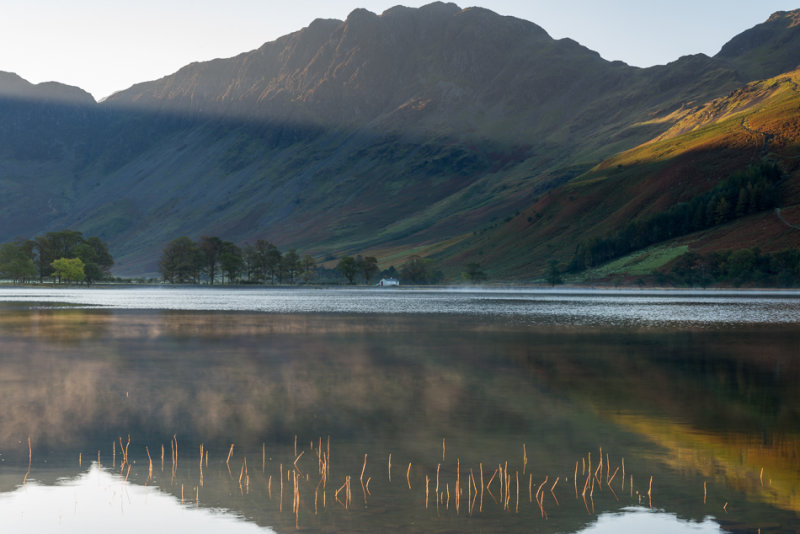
x: 407, y: 130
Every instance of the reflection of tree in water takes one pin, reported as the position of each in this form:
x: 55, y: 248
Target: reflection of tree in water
x: 55, y: 325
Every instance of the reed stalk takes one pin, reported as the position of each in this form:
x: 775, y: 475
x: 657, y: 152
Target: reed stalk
x: 241, y: 474
x: 705, y: 492
x: 612, y: 477
x: 489, y: 484
x: 297, y: 506
x: 502, y: 478
x: 458, y: 484
x: 623, y: 474
x: 508, y: 489
x: 389, y: 467
x: 319, y: 454
x: 443, y: 450
x: 246, y: 477
x: 539, y: 489
x: 363, y: 468
x: 228, y: 461
x: 408, y: 475
x: 150, y: 460
x: 438, y: 466
x: 530, y: 487
x: 427, y: 480
x: 481, y: 469
x: 437, y: 482
x: 575, y: 480
x: 516, y: 509
x: 524, y: 459
x: 361, y: 479
x: 469, y: 493
x: 80, y: 459
x: 30, y: 460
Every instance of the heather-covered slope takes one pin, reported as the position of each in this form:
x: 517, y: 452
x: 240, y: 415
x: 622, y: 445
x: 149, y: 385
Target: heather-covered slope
x: 707, y: 144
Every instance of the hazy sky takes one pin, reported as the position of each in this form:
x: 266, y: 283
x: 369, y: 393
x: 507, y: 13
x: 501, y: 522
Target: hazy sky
x: 107, y: 45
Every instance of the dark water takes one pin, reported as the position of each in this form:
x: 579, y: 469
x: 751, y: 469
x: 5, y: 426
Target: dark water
x: 694, y: 397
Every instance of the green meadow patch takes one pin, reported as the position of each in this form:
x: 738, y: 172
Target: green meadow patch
x: 639, y: 263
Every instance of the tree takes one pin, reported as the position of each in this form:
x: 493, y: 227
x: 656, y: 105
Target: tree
x: 231, y: 261
x: 554, y: 273
x: 368, y: 267
x: 419, y: 270
x: 181, y: 261
x: 15, y: 263
x: 349, y: 268
x: 211, y: 248
x: 272, y: 262
x: 291, y: 265
x: 96, y: 258
x: 474, y: 273
x: 68, y: 270
x: 308, y: 267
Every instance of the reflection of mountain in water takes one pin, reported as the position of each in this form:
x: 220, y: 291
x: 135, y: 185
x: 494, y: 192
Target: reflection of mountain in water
x: 397, y: 384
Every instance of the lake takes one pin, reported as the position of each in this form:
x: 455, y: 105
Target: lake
x: 364, y: 410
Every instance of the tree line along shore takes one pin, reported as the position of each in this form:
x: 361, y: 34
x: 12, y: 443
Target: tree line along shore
x: 69, y: 257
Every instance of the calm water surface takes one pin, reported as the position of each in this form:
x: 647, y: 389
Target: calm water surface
x: 508, y: 399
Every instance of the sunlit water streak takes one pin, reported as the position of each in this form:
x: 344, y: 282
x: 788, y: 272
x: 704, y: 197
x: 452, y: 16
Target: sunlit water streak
x: 578, y: 307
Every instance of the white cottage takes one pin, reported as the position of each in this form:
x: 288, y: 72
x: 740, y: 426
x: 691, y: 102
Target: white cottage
x: 388, y: 282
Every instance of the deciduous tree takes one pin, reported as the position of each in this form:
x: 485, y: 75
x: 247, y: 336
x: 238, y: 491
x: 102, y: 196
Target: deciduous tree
x: 68, y: 270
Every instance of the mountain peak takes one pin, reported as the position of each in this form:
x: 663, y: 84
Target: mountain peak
x: 790, y: 17
x: 766, y: 49
x: 14, y: 86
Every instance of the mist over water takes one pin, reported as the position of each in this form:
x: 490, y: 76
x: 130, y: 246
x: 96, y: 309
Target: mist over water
x: 577, y: 307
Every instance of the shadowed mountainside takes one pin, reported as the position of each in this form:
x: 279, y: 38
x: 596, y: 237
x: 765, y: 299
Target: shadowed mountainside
x: 392, y: 134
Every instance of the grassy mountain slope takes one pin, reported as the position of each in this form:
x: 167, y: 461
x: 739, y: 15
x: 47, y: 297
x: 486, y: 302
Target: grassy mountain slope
x: 706, y: 144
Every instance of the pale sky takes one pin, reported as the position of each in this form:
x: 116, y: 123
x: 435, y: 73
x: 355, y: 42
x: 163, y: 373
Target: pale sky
x: 104, y: 46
